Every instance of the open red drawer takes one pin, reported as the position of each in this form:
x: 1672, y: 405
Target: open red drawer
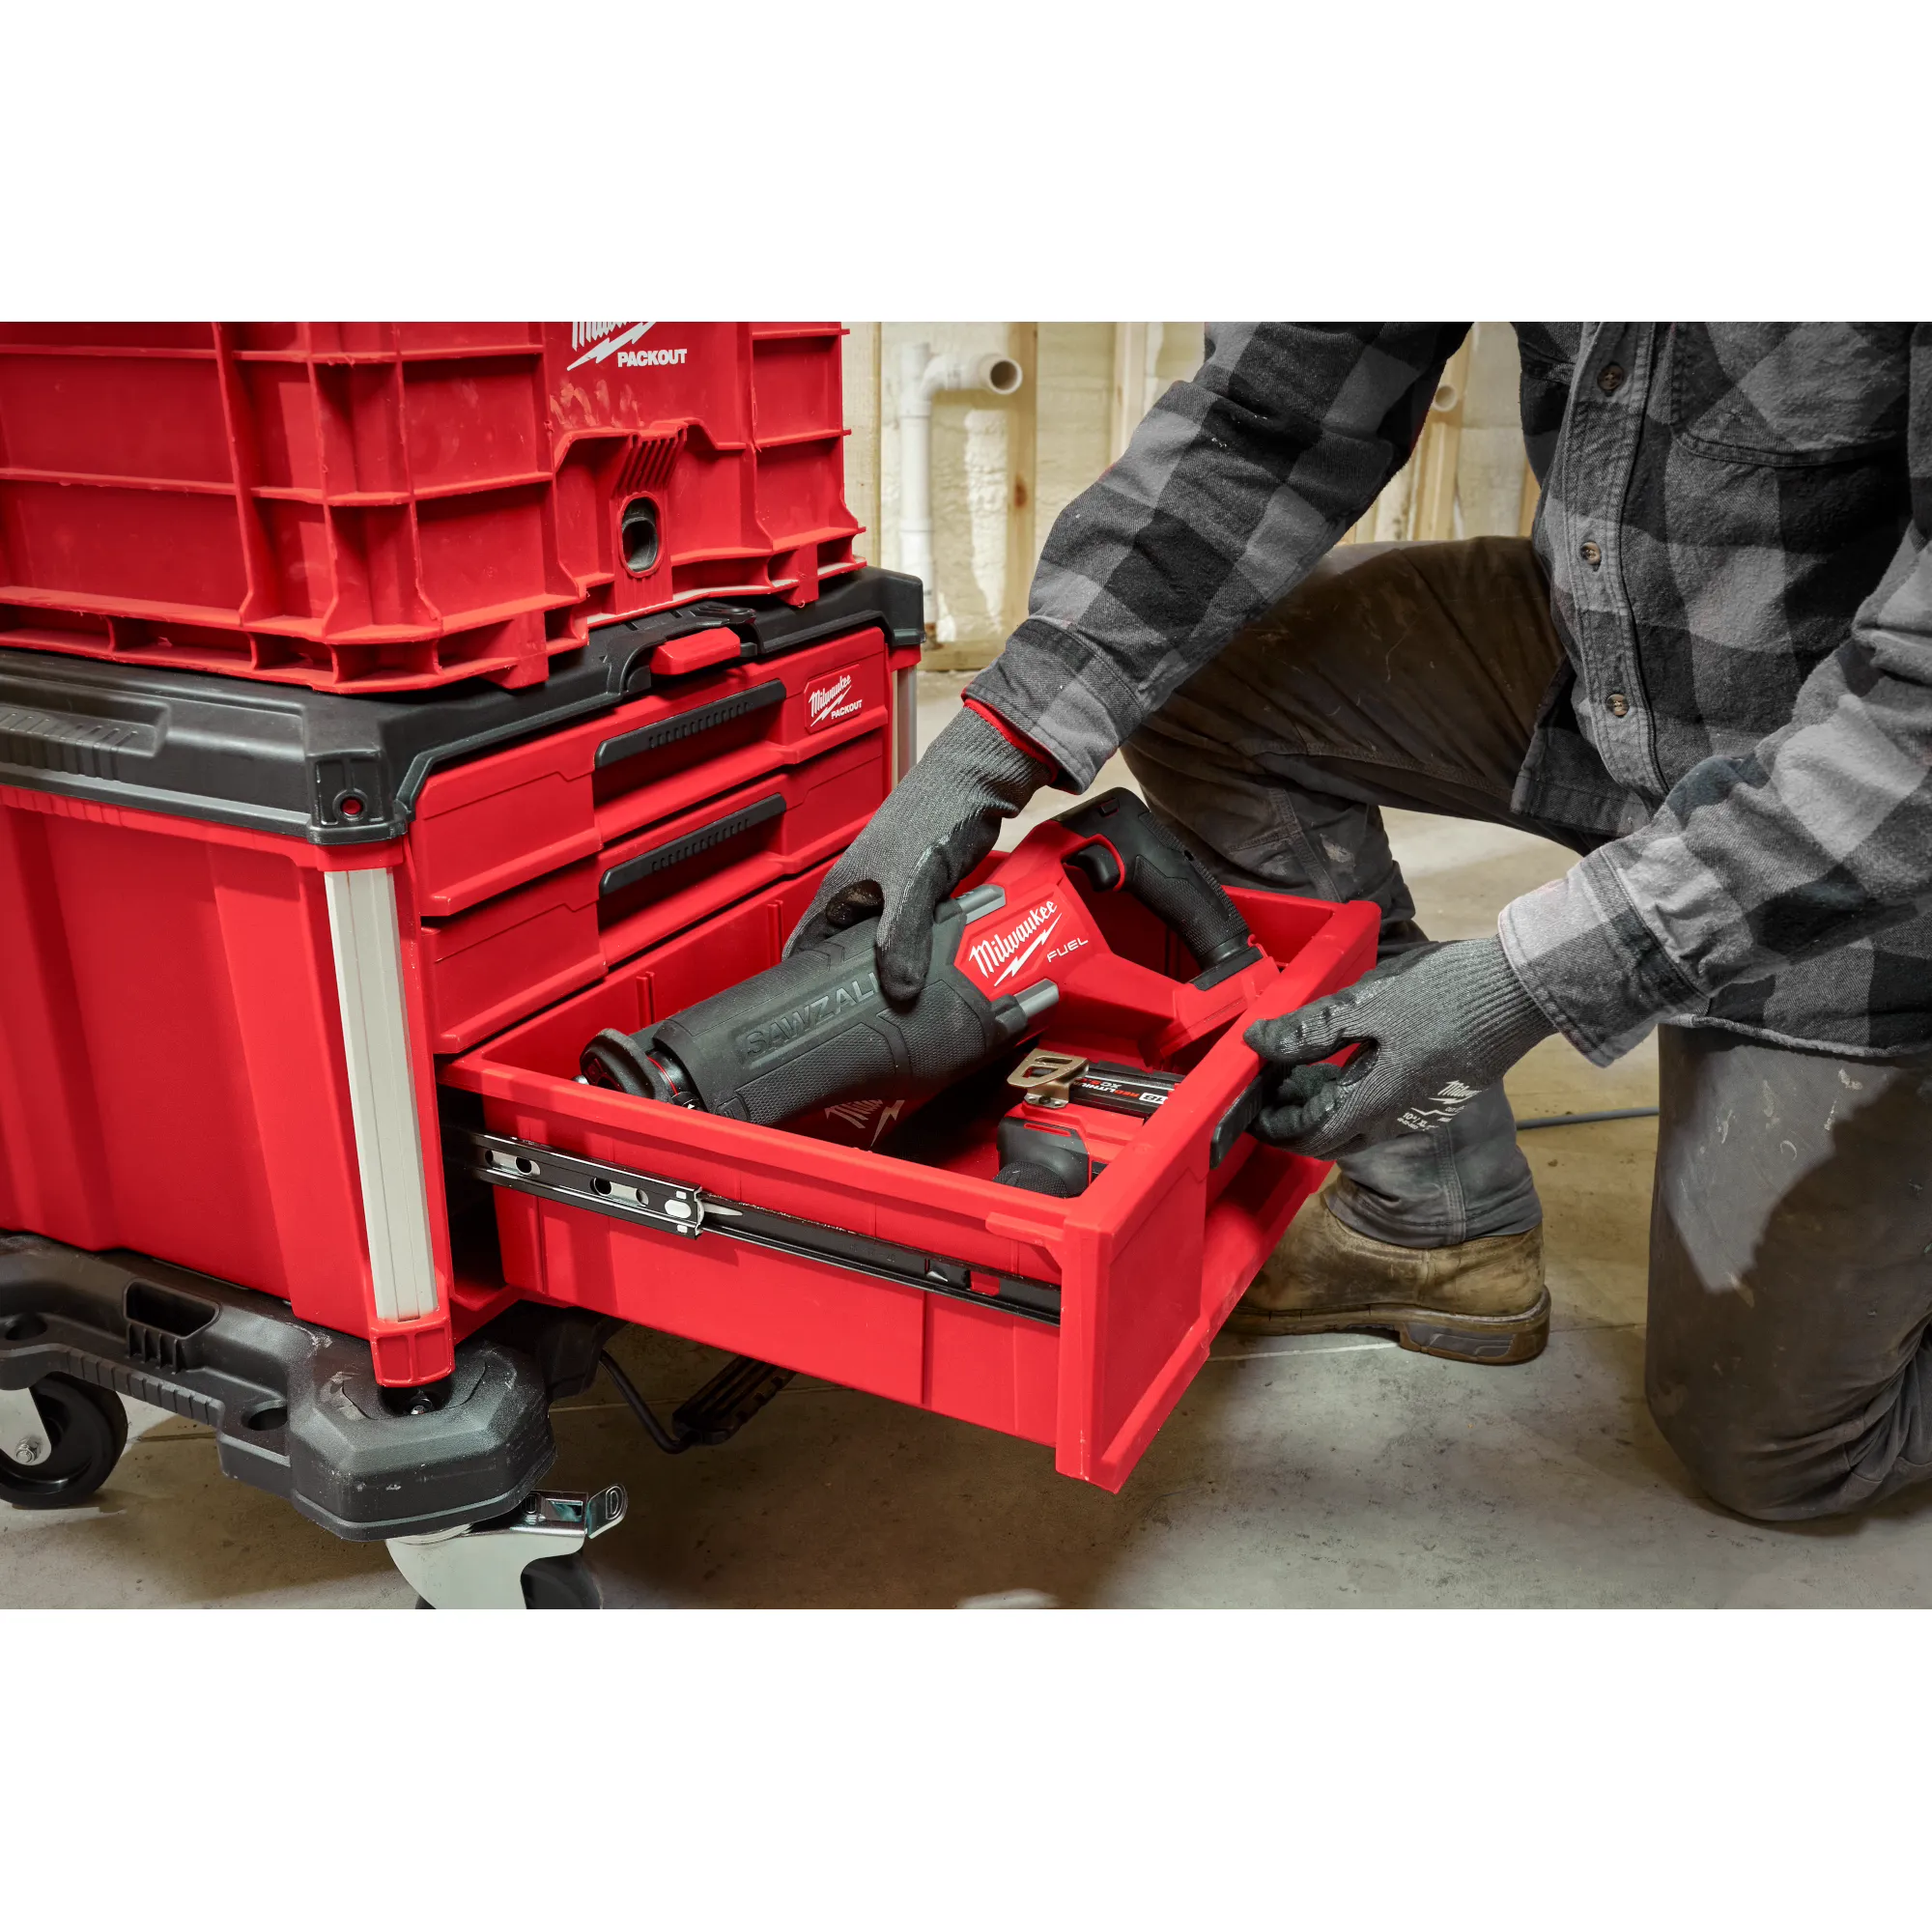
x: 518, y: 952
x: 483, y: 828
x: 1074, y: 1323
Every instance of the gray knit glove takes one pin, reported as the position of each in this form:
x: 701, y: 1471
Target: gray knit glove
x: 1434, y: 1028
x: 943, y: 817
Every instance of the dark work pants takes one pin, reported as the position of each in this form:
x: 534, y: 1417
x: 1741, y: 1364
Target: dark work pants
x: 1791, y: 1250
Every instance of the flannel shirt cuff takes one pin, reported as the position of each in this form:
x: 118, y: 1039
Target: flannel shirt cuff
x: 1586, y: 958
x: 1060, y: 693
x: 1013, y: 736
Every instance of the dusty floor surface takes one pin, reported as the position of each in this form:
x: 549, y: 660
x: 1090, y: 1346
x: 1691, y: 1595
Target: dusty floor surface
x: 1336, y: 1470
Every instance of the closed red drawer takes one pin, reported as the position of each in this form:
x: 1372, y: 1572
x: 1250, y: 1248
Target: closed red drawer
x: 483, y: 828
x: 505, y: 958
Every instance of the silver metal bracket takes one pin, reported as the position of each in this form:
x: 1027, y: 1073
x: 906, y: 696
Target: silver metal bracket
x: 23, y: 1435
x: 642, y: 1196
x: 481, y: 1567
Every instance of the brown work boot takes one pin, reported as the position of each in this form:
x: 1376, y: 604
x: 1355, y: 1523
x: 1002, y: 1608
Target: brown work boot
x: 1480, y: 1301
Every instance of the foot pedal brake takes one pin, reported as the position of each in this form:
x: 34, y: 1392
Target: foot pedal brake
x: 715, y: 1413
x: 728, y: 1401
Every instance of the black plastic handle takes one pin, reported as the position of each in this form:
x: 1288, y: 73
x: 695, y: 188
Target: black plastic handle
x: 1167, y: 878
x: 664, y: 856
x: 689, y: 723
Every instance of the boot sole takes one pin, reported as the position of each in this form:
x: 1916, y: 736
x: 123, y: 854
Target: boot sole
x: 1488, y: 1341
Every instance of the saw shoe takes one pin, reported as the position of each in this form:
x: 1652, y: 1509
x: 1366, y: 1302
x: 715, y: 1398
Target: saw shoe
x: 1479, y: 1301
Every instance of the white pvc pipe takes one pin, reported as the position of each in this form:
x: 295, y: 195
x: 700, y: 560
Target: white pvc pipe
x: 922, y: 375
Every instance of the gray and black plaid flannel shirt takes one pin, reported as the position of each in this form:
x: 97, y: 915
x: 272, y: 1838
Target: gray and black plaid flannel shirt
x: 1734, y: 523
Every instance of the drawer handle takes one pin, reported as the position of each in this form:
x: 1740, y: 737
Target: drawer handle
x: 689, y: 846
x: 689, y: 723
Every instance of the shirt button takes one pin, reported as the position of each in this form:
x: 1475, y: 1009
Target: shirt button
x: 1611, y: 377
x: 1591, y: 554
x: 1619, y: 704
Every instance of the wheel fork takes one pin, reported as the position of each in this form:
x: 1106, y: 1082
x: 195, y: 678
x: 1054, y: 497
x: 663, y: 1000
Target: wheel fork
x: 481, y: 1567
x: 23, y: 1435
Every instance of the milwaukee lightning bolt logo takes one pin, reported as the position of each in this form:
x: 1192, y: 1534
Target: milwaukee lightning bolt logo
x: 1001, y: 958
x: 827, y: 703
x: 864, y: 1114
x: 605, y: 339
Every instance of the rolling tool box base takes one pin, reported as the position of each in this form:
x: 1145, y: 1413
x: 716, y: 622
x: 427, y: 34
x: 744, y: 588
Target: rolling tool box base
x: 294, y: 1408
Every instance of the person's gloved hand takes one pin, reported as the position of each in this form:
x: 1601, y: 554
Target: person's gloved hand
x: 943, y: 817
x: 1431, y: 1030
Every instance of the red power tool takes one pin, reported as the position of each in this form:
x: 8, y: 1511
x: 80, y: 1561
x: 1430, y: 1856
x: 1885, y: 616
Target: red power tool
x: 1008, y: 954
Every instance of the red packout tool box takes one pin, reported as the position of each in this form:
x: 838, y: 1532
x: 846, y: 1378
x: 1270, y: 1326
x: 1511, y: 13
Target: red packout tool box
x: 1072, y: 1322
x: 240, y: 917
x: 388, y: 506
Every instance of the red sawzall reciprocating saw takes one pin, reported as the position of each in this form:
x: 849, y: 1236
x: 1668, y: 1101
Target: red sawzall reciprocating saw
x: 817, y: 1031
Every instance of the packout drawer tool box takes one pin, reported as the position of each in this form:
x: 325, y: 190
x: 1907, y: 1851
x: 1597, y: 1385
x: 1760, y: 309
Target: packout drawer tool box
x: 245, y: 918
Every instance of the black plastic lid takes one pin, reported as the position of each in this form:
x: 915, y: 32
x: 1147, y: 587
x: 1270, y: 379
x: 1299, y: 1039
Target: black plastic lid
x: 346, y: 770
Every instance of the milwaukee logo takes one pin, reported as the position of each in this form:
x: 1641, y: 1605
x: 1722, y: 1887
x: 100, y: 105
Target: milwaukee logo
x: 615, y: 338
x: 823, y: 706
x: 771, y: 1035
x: 1443, y: 1108
x: 1001, y: 958
x: 870, y: 1118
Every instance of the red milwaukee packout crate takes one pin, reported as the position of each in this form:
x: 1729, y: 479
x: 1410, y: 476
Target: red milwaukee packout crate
x: 1072, y: 1322
x: 388, y: 506
x: 215, y: 1036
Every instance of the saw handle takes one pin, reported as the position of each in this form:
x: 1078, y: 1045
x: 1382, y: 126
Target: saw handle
x: 1132, y: 850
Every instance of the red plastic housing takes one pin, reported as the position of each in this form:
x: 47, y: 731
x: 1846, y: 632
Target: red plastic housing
x: 1148, y: 1261
x: 172, y: 1067
x: 383, y: 507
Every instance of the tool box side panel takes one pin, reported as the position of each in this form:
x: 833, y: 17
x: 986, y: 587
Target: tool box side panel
x: 173, y: 1073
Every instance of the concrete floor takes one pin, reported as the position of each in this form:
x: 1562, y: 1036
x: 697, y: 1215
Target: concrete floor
x: 1332, y: 1471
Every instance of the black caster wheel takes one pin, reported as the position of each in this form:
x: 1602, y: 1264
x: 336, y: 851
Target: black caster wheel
x: 554, y: 1583
x: 87, y: 1429
x: 561, y: 1584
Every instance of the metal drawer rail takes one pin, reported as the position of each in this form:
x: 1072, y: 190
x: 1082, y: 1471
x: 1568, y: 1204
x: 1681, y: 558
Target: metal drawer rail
x: 650, y: 1201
